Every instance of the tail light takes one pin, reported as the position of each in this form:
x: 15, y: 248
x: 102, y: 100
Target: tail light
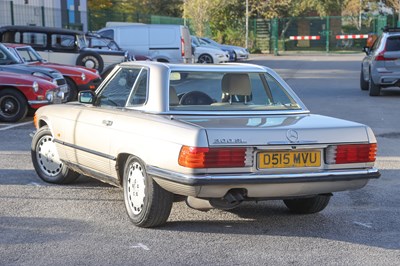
x: 182, y: 47
x: 352, y: 153
x: 194, y: 157
x: 381, y: 57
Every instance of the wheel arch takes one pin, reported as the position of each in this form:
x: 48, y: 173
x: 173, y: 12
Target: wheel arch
x: 9, y: 87
x: 162, y: 59
x: 120, y: 166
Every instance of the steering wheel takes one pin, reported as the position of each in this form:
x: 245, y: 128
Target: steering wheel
x: 196, y: 98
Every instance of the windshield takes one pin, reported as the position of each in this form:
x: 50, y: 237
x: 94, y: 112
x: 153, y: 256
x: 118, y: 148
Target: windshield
x: 195, y: 41
x: 27, y: 54
x: 6, y: 57
x: 221, y: 91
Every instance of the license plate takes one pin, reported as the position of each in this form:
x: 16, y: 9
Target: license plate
x: 288, y: 159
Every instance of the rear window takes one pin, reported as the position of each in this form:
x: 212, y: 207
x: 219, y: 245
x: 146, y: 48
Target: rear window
x: 214, y: 91
x: 393, y: 44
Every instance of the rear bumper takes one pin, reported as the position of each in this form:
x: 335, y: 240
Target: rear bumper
x: 287, y: 185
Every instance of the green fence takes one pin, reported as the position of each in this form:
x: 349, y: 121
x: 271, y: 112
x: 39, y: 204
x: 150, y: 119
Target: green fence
x: 327, y: 34
x: 323, y: 34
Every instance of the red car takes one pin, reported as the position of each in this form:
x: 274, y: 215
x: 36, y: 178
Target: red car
x: 19, y: 92
x: 78, y: 78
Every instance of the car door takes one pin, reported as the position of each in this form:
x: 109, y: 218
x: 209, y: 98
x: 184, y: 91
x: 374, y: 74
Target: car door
x: 95, y: 127
x: 62, y: 49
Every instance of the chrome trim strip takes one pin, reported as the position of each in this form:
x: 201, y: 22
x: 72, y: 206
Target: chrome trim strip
x: 251, y: 178
x: 38, y: 102
x: 73, y: 146
x: 231, y: 113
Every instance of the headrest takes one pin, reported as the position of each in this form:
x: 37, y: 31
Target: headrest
x: 173, y: 97
x: 236, y: 84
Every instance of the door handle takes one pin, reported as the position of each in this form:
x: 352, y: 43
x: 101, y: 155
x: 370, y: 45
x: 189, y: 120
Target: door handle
x: 107, y: 122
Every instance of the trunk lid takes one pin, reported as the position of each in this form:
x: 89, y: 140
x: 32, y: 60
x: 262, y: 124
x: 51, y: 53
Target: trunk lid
x: 278, y: 130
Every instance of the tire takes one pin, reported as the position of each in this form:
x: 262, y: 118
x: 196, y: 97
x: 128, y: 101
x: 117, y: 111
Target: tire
x: 205, y: 59
x: 364, y: 85
x: 234, y: 56
x: 13, y: 105
x: 374, y: 89
x: 90, y: 60
x: 73, y: 90
x: 46, y: 160
x: 147, y: 204
x: 308, y: 205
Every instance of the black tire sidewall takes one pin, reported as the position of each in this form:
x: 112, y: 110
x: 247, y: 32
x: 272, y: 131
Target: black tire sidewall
x: 205, y: 56
x: 308, y: 205
x: 73, y: 90
x: 374, y: 89
x: 364, y: 85
x: 21, y: 101
x: 157, y: 202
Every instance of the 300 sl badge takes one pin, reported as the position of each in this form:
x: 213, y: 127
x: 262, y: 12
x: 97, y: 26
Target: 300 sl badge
x: 229, y: 141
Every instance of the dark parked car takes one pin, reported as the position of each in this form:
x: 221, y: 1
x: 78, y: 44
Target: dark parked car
x: 63, y: 46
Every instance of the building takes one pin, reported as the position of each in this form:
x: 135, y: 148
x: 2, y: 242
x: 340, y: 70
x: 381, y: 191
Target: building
x: 51, y: 13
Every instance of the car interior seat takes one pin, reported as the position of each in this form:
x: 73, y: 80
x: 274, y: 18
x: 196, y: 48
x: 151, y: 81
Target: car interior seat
x: 173, y: 96
x: 236, y: 88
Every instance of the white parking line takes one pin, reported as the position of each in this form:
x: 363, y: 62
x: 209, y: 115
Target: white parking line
x: 16, y: 125
x: 140, y: 245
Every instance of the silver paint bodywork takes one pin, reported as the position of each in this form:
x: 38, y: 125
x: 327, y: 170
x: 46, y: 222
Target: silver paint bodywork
x: 95, y: 141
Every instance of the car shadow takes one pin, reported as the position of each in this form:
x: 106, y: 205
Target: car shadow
x: 29, y: 230
x: 273, y: 219
x: 29, y: 177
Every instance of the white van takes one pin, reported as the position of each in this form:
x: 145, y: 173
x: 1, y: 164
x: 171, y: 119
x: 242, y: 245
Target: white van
x: 163, y: 43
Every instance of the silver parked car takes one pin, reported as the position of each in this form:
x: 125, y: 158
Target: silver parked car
x: 215, y: 134
x: 239, y: 53
x: 381, y: 67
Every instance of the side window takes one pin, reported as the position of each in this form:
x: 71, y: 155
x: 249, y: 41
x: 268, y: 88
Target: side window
x: 139, y: 93
x: 34, y: 39
x: 117, y: 91
x: 62, y: 41
x: 278, y: 93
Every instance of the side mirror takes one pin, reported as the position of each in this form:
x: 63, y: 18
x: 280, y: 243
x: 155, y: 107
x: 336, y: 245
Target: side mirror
x: 366, y: 49
x: 87, y: 97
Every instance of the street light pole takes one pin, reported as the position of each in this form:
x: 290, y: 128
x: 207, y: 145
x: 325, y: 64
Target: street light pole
x: 247, y: 23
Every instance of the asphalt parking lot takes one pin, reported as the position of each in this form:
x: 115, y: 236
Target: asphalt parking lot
x: 86, y: 224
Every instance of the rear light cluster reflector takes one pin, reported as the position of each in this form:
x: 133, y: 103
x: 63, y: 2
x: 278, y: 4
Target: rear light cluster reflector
x: 351, y: 153
x: 381, y: 57
x: 182, y: 47
x: 196, y: 157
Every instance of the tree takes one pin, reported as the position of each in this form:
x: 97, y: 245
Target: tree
x: 198, y: 12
